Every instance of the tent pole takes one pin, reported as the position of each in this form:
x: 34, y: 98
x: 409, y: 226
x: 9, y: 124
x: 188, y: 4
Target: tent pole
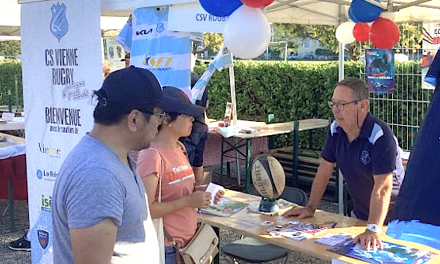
x: 233, y: 99
x: 341, y: 77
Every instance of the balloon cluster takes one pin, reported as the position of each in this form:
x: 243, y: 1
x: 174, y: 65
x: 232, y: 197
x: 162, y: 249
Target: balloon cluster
x: 383, y: 32
x: 247, y: 32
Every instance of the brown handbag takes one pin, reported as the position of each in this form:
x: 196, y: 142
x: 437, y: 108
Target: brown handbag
x: 201, y: 249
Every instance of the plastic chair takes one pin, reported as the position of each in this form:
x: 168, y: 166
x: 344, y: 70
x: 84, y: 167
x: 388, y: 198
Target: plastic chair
x: 256, y: 251
x: 294, y: 195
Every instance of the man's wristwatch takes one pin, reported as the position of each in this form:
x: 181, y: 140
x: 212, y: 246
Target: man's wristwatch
x: 374, y: 228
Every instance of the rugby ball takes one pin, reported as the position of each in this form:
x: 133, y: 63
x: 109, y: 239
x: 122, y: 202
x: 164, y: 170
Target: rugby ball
x: 268, y: 176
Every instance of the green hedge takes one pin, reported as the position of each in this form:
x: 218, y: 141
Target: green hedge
x: 301, y: 90
x: 9, y: 72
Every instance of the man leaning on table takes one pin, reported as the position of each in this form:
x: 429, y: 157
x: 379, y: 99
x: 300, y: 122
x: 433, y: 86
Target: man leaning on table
x: 365, y: 149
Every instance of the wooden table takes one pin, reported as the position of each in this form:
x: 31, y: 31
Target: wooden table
x: 248, y: 224
x: 16, y: 139
x: 265, y: 130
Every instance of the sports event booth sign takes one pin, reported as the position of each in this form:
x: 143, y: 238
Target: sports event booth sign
x: 61, y: 68
x: 191, y: 17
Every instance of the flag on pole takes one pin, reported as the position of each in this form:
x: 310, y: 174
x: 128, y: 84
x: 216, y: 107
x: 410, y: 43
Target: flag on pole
x: 222, y: 60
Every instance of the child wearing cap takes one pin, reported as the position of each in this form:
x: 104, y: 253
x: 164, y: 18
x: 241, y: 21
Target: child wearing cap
x: 165, y: 166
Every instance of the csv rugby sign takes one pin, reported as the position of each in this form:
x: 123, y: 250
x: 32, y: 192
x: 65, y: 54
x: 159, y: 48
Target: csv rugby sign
x: 192, y: 17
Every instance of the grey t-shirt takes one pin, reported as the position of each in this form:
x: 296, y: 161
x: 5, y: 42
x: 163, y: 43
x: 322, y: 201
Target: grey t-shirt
x: 94, y: 184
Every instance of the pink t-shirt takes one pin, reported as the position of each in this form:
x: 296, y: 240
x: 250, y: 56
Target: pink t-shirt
x: 177, y: 181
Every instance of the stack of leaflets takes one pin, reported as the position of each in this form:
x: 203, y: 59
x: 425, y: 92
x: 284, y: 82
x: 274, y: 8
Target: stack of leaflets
x: 334, y: 239
x: 390, y: 253
x: 225, y: 207
x: 296, y: 230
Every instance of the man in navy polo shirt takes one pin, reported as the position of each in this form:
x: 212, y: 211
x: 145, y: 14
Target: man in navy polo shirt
x: 365, y: 149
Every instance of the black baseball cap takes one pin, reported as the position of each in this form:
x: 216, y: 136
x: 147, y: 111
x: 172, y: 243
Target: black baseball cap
x: 181, y: 104
x: 133, y: 86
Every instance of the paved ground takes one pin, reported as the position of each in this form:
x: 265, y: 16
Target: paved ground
x: 8, y: 256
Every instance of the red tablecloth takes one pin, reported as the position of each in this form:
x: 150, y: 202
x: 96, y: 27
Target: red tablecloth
x: 213, y: 147
x: 14, y: 168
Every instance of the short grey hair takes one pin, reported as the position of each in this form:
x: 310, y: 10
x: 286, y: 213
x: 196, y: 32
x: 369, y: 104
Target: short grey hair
x: 358, y: 87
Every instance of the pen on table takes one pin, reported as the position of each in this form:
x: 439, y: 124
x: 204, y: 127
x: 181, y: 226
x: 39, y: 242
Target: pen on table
x: 334, y: 224
x: 324, y: 223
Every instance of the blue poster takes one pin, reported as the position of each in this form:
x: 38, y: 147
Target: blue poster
x: 380, y: 70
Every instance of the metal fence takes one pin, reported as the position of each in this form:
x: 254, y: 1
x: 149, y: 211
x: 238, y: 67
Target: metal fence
x: 405, y: 109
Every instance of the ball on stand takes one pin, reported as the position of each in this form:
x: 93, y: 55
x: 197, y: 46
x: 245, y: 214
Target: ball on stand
x: 269, y: 180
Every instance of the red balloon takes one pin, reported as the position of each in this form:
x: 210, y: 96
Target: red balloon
x: 361, y: 32
x: 384, y: 33
x: 257, y: 3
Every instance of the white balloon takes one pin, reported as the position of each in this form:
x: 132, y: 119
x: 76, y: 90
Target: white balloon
x: 344, y: 33
x: 247, y: 32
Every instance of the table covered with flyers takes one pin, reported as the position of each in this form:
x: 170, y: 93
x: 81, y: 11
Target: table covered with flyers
x: 324, y: 230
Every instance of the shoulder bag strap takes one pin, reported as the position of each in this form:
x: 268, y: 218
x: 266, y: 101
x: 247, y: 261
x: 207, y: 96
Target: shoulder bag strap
x: 159, y: 199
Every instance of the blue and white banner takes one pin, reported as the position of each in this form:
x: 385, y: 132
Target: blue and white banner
x: 191, y: 17
x: 61, y: 59
x: 222, y: 60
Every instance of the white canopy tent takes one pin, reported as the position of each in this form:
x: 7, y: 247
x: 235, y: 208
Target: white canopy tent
x: 323, y: 12
x: 10, y: 21
x: 327, y: 12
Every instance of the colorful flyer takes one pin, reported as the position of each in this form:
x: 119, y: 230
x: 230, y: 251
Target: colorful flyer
x: 430, y: 45
x: 380, y: 70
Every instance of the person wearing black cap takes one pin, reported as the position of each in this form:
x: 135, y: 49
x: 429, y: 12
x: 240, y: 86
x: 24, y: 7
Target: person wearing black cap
x: 100, y: 213
x: 126, y: 59
x: 165, y: 169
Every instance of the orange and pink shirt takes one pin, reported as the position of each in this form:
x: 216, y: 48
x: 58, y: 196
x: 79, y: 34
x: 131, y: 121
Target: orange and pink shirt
x: 178, y: 181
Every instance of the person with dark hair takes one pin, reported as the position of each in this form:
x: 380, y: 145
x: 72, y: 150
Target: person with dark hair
x: 100, y: 211
x: 166, y: 171
x: 366, y: 151
x: 195, y: 142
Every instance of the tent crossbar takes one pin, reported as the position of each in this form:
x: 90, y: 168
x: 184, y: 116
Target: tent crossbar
x: 339, y: 2
x: 299, y: 6
x: 275, y: 7
x: 413, y: 3
x: 422, y: 5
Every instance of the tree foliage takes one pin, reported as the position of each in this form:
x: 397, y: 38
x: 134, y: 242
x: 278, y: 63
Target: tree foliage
x: 10, y: 48
x: 410, y: 38
x: 213, y: 41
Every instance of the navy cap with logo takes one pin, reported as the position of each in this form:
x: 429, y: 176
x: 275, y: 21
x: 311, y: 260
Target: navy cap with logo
x: 181, y: 104
x: 133, y: 86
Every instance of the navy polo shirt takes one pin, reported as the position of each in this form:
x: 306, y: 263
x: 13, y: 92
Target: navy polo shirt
x: 373, y: 152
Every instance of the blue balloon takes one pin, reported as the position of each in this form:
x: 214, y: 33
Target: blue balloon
x: 365, y: 12
x: 351, y: 17
x: 220, y: 8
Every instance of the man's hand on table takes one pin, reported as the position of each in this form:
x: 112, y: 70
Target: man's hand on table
x: 301, y: 212
x: 368, y: 240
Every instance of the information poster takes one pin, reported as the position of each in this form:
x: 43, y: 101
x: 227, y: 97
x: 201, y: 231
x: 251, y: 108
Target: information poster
x: 114, y: 53
x: 431, y: 43
x: 380, y: 70
x: 61, y: 59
